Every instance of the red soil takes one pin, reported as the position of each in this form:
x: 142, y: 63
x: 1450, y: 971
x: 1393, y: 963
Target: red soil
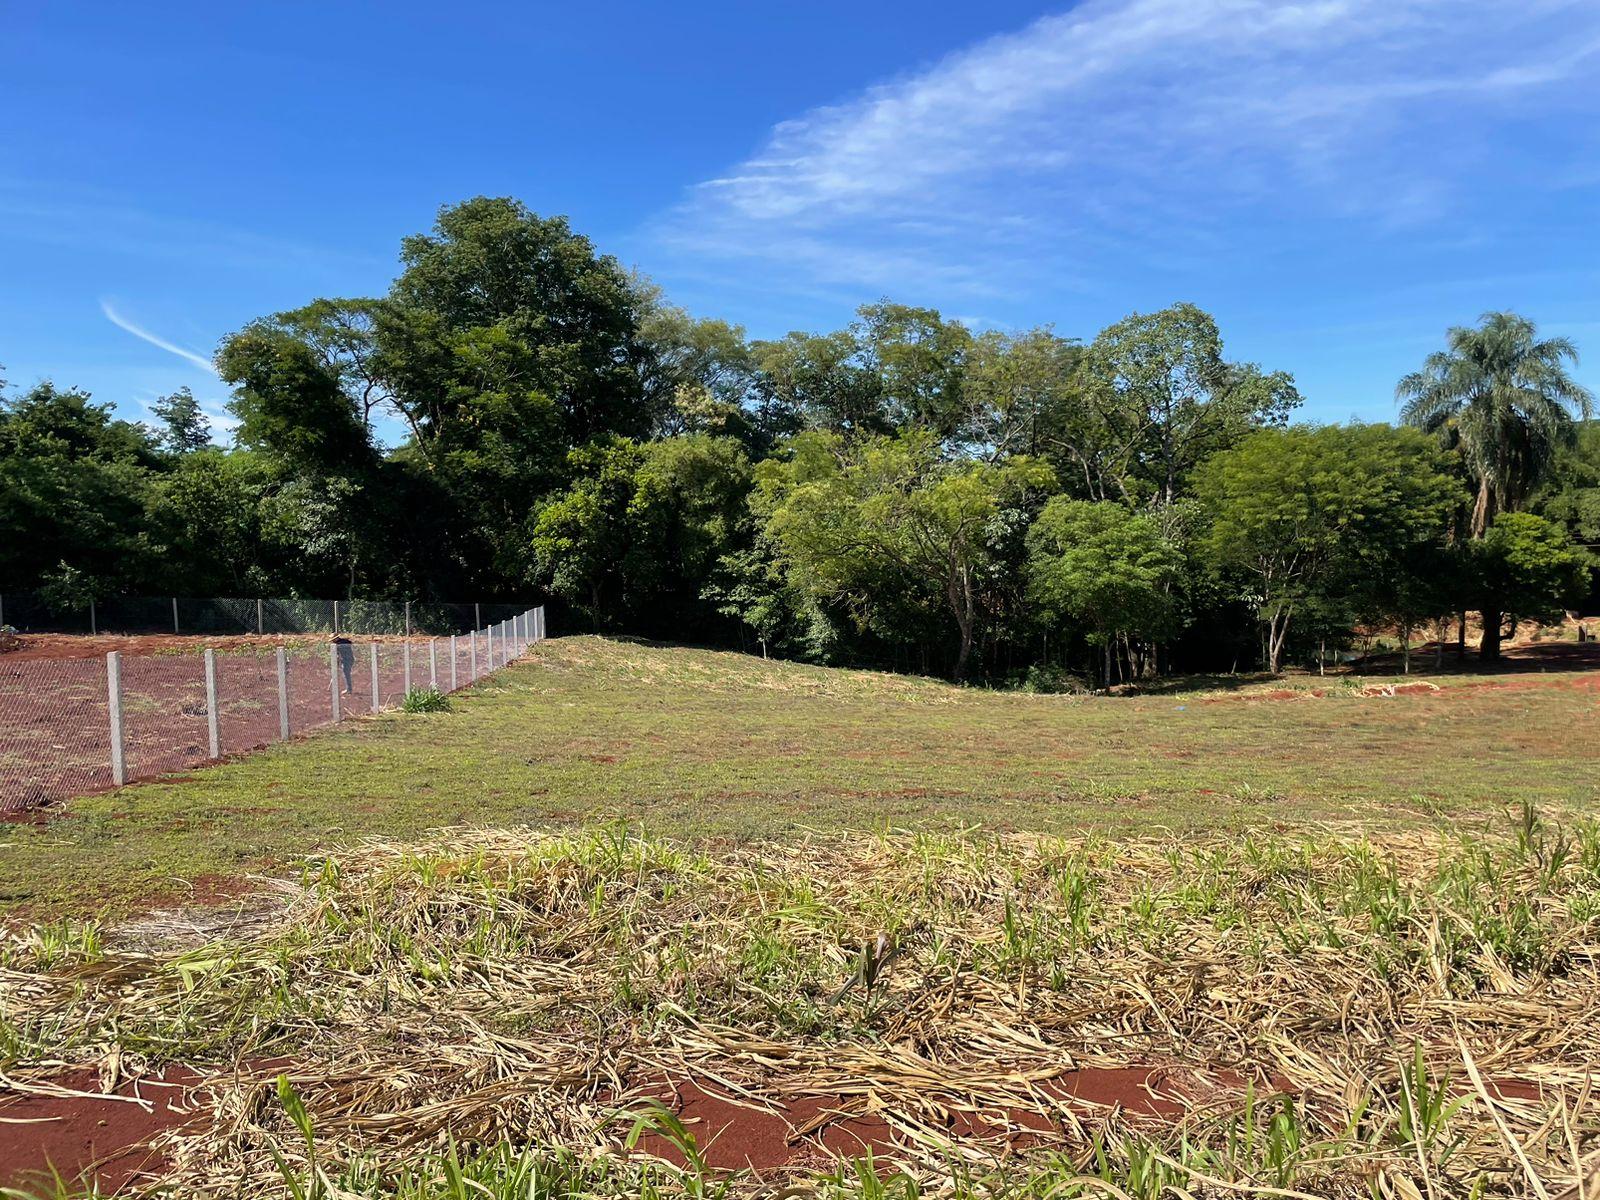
x: 86, y: 1139
x: 103, y: 1141
x: 53, y: 706
x: 741, y: 1134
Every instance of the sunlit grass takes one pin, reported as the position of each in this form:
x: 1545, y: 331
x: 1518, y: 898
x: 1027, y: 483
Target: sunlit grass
x: 699, y: 743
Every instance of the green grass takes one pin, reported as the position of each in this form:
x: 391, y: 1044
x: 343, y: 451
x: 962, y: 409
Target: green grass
x: 719, y: 745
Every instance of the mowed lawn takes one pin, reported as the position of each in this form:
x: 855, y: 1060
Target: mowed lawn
x: 708, y: 744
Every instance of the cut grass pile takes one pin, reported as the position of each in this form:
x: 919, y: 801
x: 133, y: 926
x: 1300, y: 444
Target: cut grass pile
x: 493, y: 1012
x: 699, y: 743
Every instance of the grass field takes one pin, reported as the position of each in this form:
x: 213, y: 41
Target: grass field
x: 686, y: 742
x: 705, y: 925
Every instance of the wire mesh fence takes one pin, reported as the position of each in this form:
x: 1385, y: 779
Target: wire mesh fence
x: 74, y: 725
x: 187, y: 616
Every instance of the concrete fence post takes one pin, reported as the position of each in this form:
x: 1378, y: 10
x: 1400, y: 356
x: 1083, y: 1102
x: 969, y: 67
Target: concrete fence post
x: 406, y: 670
x: 174, y: 614
x: 452, y: 662
x: 374, y: 648
x: 472, y: 665
x: 336, y: 616
x: 283, y: 694
x: 94, y: 624
x: 333, y: 677
x: 261, y: 625
x: 119, y: 765
x: 408, y: 619
x: 213, y: 728
x: 433, y: 663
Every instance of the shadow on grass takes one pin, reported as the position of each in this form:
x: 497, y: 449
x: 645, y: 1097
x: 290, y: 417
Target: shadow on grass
x: 1528, y: 658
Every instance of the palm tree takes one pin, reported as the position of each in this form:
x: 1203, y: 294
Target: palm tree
x: 1505, y: 399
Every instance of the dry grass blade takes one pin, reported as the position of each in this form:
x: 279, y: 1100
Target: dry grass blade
x: 1214, y: 1017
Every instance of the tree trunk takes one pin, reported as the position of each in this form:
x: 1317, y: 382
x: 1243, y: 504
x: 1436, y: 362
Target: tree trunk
x: 961, y: 600
x: 1489, y: 647
x: 1405, y: 652
x: 1482, y: 509
x: 1277, y: 635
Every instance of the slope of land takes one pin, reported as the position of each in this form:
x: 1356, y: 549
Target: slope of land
x: 698, y: 743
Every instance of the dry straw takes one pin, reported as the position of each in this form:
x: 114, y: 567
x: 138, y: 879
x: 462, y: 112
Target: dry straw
x: 1318, y: 1016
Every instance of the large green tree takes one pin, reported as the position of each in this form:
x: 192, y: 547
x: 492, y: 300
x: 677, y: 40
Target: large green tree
x: 499, y: 301
x: 1571, y: 494
x: 1506, y: 399
x: 1022, y: 397
x: 1525, y: 567
x: 640, y: 530
x: 1163, y: 400
x: 184, y: 427
x: 818, y: 381
x: 887, y: 525
x: 1108, y: 568
x: 75, y: 501
x: 1295, y: 510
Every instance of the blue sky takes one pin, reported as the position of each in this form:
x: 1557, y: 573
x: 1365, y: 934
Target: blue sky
x: 1337, y: 180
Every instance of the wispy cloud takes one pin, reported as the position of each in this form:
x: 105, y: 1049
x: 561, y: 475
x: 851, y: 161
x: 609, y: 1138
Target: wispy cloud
x: 143, y: 334
x: 97, y: 221
x: 1150, y: 128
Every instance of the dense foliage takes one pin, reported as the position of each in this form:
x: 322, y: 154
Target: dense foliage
x: 519, y: 414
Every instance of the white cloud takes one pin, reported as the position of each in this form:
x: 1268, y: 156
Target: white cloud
x: 122, y: 322
x: 1140, y: 127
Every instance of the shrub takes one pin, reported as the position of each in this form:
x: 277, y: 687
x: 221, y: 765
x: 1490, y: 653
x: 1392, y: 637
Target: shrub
x: 425, y: 700
x: 1050, y: 679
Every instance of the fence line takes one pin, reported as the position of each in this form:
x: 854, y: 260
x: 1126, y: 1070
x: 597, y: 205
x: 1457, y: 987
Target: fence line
x: 74, y: 725
x: 32, y: 612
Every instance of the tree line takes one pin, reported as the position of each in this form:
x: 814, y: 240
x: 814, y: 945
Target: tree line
x: 521, y: 414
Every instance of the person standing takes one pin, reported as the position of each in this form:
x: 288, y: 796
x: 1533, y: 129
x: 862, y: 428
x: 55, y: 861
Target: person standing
x: 347, y: 661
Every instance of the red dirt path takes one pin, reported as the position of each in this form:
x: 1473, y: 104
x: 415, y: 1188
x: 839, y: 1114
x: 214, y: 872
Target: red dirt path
x: 104, y: 1141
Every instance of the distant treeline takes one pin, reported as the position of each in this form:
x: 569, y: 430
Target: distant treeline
x: 906, y: 492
